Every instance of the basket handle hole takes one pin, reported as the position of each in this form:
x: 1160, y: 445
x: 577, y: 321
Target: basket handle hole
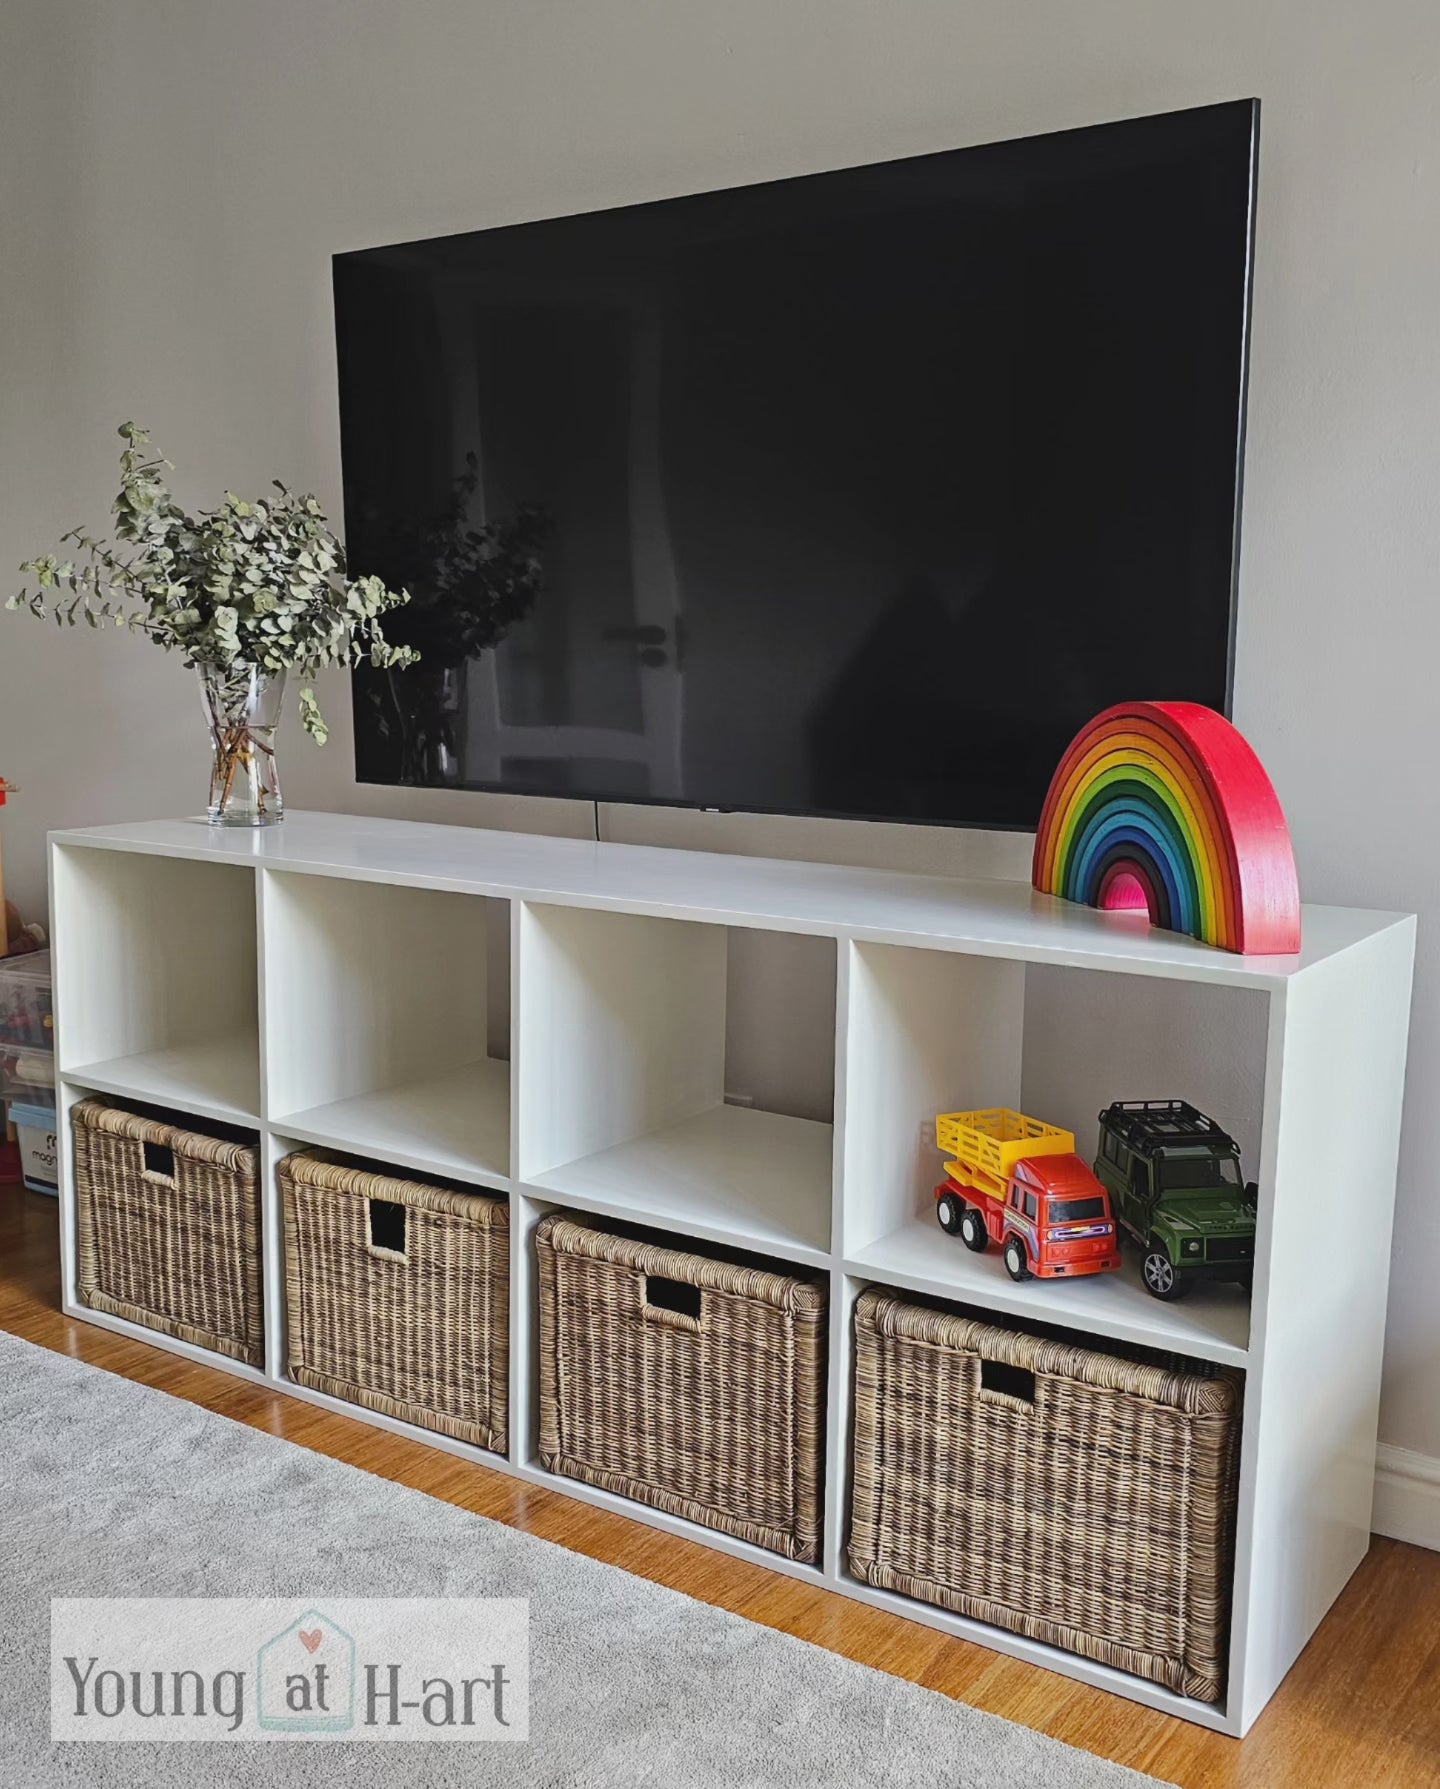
x: 672, y: 1295
x: 1016, y: 1383
x: 387, y: 1226
x: 159, y: 1160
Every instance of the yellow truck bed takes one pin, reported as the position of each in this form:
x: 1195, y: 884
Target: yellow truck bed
x: 983, y: 1147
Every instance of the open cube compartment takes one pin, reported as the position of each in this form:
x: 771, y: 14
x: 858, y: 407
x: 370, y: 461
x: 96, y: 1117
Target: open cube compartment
x: 622, y: 1107
x: 157, y: 981
x: 931, y: 1032
x: 387, y: 1020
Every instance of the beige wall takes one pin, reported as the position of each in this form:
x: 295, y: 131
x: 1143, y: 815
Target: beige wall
x: 175, y: 174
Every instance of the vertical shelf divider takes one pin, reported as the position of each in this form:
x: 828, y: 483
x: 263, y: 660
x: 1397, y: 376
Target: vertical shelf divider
x: 839, y: 1390
x: 272, y: 1232
x: 1337, y: 1049
x: 523, y: 1363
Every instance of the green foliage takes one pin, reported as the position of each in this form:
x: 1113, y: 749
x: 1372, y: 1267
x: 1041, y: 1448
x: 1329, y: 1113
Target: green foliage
x: 258, y: 583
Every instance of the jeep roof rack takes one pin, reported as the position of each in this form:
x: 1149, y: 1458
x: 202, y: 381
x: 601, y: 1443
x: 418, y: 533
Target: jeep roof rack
x: 1150, y: 1124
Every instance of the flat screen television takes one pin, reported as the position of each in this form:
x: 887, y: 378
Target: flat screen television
x: 853, y: 494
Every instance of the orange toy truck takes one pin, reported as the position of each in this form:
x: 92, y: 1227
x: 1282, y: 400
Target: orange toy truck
x: 1018, y: 1183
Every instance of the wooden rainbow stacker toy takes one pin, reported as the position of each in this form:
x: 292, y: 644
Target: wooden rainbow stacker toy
x: 1163, y: 807
x: 1017, y: 1182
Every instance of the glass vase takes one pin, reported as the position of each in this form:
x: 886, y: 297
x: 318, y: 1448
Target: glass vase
x: 242, y: 706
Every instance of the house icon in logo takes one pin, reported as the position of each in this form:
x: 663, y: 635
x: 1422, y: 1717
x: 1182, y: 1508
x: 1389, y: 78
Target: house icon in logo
x: 306, y: 1678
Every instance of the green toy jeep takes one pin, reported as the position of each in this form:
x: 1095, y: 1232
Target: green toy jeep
x: 1174, y: 1181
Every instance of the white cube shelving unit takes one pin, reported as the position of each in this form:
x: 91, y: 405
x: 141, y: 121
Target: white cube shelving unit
x: 551, y: 1019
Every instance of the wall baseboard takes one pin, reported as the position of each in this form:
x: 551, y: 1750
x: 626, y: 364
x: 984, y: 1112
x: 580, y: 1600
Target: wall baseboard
x: 1407, y: 1496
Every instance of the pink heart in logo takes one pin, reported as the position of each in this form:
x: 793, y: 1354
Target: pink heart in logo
x: 310, y: 1638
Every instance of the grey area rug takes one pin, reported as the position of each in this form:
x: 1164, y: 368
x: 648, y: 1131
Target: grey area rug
x: 110, y: 1488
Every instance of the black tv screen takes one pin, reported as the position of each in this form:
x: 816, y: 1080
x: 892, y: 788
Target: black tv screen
x: 854, y: 494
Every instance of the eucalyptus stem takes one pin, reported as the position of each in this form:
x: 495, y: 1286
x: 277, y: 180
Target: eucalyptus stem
x: 243, y: 708
x: 247, y: 585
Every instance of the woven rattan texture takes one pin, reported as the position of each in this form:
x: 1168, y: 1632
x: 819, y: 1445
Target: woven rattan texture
x: 716, y: 1415
x: 177, y: 1251
x: 1094, y: 1511
x: 423, y: 1335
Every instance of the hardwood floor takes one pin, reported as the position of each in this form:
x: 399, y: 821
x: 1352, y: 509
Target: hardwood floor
x: 1360, y: 1708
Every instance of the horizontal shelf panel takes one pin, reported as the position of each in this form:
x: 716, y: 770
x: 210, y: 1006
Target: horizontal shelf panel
x: 988, y: 917
x: 395, y: 1425
x: 218, y: 1079
x: 1212, y: 1322
x: 682, y: 1526
x: 156, y: 1338
x: 1037, y: 1652
x: 753, y: 1179
x: 456, y: 1125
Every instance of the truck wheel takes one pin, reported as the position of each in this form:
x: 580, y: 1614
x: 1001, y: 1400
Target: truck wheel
x: 947, y: 1213
x: 1161, y: 1279
x: 1246, y: 1281
x: 972, y: 1230
x: 1015, y: 1262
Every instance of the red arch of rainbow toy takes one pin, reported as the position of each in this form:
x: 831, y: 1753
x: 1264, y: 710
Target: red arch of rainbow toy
x: 1164, y: 806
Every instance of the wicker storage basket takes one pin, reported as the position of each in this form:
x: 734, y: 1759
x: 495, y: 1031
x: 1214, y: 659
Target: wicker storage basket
x: 691, y: 1384
x: 398, y: 1296
x: 1073, y: 1496
x: 168, y: 1227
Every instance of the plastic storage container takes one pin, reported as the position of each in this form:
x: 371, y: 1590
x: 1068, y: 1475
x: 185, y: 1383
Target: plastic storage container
x: 27, y: 1030
x: 26, y: 1002
x: 27, y: 1078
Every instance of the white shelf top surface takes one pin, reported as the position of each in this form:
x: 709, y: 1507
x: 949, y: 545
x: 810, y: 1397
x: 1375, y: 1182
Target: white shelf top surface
x: 1212, y: 1321
x: 217, y: 1079
x: 982, y: 916
x: 731, y: 1174
x: 455, y: 1124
